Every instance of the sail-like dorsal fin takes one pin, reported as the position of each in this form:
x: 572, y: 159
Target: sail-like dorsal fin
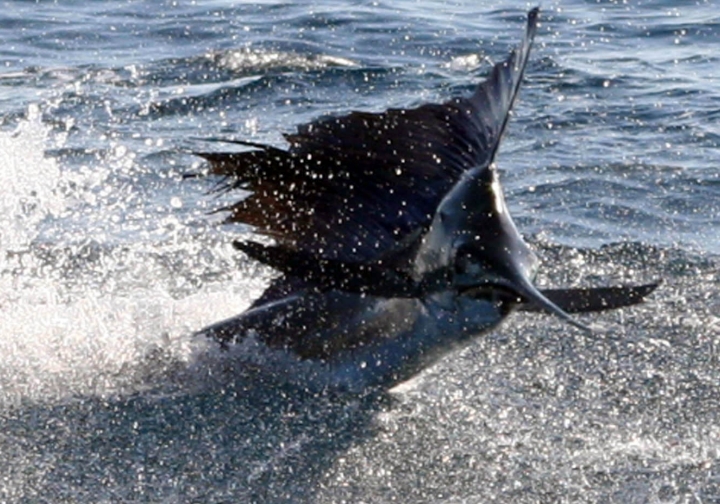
x: 352, y: 187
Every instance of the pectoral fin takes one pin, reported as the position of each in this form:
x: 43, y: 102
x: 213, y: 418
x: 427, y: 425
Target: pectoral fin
x: 594, y: 299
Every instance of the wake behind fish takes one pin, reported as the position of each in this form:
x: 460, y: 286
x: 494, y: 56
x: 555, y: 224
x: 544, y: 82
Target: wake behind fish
x: 84, y: 314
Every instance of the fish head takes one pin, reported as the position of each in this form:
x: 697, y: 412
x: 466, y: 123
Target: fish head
x: 473, y: 244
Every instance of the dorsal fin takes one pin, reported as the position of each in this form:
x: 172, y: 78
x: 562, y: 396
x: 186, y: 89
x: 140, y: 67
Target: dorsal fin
x: 351, y: 187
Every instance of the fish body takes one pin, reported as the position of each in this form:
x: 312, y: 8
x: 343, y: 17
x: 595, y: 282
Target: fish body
x: 392, y: 237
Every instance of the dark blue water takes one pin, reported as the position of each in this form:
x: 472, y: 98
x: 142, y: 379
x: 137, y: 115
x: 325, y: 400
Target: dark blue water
x: 109, y: 260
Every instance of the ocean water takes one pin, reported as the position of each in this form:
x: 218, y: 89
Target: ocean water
x: 109, y: 260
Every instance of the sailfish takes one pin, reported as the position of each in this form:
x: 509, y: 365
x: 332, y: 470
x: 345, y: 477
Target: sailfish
x: 391, y: 236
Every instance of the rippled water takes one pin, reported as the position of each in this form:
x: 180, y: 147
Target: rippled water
x: 109, y: 261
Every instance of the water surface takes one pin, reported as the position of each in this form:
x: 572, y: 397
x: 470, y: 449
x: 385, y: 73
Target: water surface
x: 109, y: 260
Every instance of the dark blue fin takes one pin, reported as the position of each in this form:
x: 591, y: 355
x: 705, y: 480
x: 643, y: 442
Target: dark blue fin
x: 373, y: 278
x: 582, y: 300
x: 352, y: 187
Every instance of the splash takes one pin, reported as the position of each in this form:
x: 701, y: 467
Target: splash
x: 256, y: 59
x: 28, y: 182
x: 465, y: 63
x: 94, y: 318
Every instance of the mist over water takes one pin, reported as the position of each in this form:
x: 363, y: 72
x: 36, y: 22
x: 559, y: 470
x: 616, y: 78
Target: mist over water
x: 110, y: 261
